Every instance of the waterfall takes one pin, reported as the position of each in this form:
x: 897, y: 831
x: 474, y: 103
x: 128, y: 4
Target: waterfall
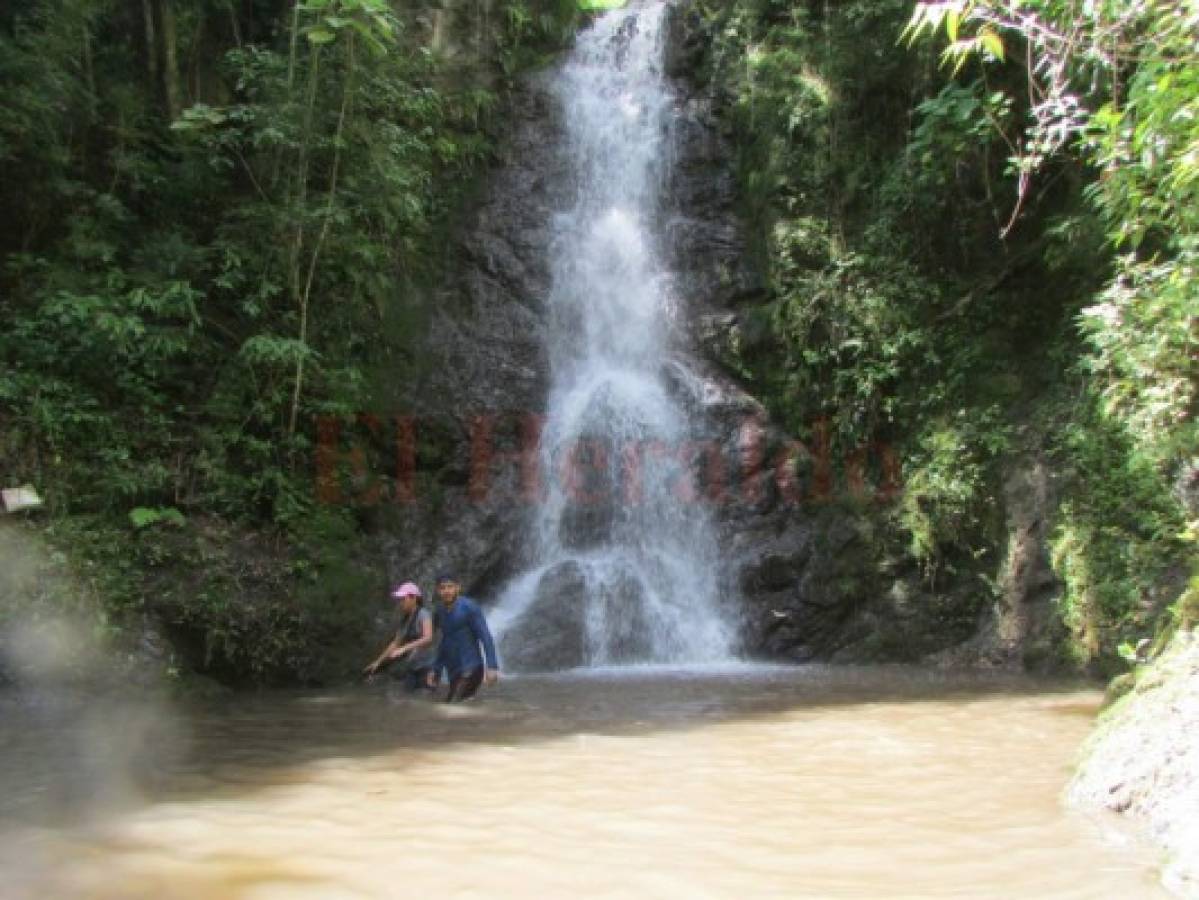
x: 625, y: 567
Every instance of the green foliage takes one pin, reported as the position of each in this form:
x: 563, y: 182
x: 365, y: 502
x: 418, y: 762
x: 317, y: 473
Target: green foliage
x: 1117, y: 85
x: 848, y: 341
x: 1118, y: 533
x: 1186, y: 609
x: 949, y: 492
x: 533, y: 31
x: 217, y: 219
x: 957, y: 132
x: 862, y: 218
x: 1146, y: 345
x: 1114, y: 86
x: 937, y: 270
x: 929, y: 17
x: 1145, y: 351
x: 143, y: 517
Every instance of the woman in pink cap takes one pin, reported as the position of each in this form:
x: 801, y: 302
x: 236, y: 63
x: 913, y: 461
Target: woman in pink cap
x: 414, y: 638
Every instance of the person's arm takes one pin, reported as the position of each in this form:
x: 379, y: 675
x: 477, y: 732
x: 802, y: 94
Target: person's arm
x: 482, y: 633
x: 387, y: 654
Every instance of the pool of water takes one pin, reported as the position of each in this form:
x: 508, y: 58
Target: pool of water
x: 731, y: 782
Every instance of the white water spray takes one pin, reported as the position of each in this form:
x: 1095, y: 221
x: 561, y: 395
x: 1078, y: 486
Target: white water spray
x: 627, y: 567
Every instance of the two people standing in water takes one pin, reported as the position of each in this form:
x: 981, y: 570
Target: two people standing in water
x: 464, y: 633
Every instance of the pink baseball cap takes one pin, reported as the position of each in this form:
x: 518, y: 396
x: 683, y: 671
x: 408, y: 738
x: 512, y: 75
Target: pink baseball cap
x: 407, y: 589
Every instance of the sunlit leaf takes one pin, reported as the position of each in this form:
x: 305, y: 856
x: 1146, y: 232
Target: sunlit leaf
x: 992, y: 43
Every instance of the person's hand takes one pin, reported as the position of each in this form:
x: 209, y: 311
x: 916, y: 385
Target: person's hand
x: 492, y: 676
x: 370, y: 670
x: 431, y: 679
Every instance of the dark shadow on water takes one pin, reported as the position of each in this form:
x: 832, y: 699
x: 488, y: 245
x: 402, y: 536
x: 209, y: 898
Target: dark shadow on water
x: 65, y: 759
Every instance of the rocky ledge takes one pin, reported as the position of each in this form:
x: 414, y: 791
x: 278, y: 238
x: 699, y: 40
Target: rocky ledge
x: 1143, y: 761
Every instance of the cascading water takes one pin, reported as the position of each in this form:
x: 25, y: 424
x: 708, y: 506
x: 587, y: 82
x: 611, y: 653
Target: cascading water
x: 626, y: 566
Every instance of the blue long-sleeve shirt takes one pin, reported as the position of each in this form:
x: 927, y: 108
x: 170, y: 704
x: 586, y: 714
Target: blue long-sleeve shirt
x: 463, y: 629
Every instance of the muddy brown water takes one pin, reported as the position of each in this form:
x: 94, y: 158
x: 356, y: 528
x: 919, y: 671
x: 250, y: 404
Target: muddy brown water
x: 740, y: 782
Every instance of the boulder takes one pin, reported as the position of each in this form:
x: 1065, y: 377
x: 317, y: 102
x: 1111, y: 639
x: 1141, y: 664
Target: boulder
x: 559, y: 638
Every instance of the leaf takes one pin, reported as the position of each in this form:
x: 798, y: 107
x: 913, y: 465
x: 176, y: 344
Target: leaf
x: 992, y: 43
x: 320, y: 36
x: 957, y: 53
x: 271, y: 350
x: 373, y: 43
x: 199, y: 116
x: 144, y: 516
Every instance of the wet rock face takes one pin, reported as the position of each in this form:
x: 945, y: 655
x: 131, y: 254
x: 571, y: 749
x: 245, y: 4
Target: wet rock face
x: 560, y: 641
x: 488, y: 336
x: 473, y: 509
x: 486, y: 381
x: 585, y: 525
x: 702, y: 232
x: 811, y: 566
x: 813, y: 576
x: 793, y: 600
x: 487, y: 340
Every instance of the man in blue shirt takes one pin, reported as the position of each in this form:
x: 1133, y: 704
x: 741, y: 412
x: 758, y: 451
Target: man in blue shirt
x: 463, y: 629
